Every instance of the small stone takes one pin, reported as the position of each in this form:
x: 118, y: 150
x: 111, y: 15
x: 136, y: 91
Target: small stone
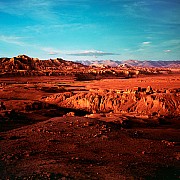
x: 143, y: 152
x: 70, y: 114
x: 104, y: 137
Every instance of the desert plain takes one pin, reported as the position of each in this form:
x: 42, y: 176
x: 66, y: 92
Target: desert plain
x: 61, y: 127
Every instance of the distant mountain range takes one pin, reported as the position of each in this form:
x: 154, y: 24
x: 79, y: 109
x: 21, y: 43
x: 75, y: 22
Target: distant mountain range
x: 129, y: 63
x: 24, y: 62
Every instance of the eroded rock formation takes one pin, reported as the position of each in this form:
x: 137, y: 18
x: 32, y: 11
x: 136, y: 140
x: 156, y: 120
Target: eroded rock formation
x: 23, y: 65
x: 145, y: 101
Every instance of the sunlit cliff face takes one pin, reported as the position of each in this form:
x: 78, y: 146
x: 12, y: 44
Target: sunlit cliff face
x: 141, y: 100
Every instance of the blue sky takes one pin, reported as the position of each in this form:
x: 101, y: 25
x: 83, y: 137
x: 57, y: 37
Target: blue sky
x: 91, y: 29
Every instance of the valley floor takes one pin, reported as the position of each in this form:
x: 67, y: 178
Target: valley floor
x: 43, y: 141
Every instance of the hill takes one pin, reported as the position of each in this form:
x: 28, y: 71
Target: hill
x: 25, y: 65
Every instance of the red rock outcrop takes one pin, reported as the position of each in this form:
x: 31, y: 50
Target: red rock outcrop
x: 148, y: 102
x: 23, y: 65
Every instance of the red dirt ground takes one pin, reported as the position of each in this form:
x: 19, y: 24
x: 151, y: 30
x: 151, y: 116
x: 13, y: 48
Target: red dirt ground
x: 85, y: 148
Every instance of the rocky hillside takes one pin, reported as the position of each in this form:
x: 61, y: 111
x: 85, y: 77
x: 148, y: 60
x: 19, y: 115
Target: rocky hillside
x: 144, y: 101
x: 24, y: 64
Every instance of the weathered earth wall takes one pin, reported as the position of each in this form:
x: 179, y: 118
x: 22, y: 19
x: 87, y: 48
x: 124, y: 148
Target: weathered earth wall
x: 148, y: 103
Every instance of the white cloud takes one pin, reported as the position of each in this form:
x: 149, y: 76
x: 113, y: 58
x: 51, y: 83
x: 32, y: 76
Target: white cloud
x: 140, y: 49
x: 58, y: 27
x: 49, y: 50
x: 144, y: 9
x: 12, y: 40
x: 167, y: 51
x: 173, y: 44
x: 91, y: 53
x: 126, y: 49
x: 146, y: 43
x: 41, y: 9
x: 53, y: 53
x: 46, y: 10
x: 17, y: 41
x: 149, y: 37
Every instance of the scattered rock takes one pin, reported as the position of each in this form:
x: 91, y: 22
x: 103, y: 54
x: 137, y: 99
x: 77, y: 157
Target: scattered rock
x: 168, y: 143
x: 143, y: 152
x: 177, y: 156
x: 70, y: 114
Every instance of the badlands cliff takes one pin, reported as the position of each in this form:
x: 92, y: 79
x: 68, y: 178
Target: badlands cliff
x: 145, y: 101
x: 23, y: 65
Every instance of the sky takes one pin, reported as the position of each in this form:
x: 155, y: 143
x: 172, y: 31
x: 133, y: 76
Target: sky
x: 91, y: 29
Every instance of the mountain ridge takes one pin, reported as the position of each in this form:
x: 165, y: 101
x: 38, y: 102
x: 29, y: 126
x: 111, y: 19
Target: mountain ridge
x: 24, y: 62
x: 136, y: 63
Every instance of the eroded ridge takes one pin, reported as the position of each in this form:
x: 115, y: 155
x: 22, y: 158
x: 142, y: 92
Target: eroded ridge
x: 146, y: 101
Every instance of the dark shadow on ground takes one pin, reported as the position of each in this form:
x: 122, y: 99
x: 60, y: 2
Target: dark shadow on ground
x: 38, y: 111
